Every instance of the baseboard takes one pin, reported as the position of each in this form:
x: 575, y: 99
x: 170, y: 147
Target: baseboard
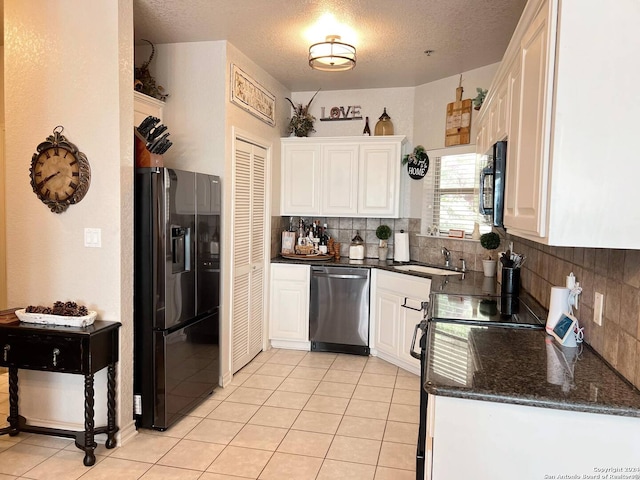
x: 411, y: 368
x: 291, y: 344
x: 126, y: 433
x: 226, y: 379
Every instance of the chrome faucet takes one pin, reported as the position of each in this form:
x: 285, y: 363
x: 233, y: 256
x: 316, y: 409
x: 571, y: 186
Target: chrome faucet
x: 447, y: 256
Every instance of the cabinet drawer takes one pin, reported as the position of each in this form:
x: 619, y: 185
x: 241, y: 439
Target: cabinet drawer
x: 41, y: 352
x: 292, y: 273
x: 405, y: 285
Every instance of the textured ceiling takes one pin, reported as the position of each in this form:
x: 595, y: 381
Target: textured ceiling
x: 391, y: 35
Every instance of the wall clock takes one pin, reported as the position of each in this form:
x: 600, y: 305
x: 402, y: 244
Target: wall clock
x: 60, y: 174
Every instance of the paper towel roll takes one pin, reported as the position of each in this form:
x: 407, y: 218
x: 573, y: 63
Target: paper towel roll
x: 558, y: 304
x: 401, y: 247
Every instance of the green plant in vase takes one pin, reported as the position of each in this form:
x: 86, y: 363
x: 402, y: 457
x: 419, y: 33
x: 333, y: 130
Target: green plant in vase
x: 383, y: 232
x: 489, y: 241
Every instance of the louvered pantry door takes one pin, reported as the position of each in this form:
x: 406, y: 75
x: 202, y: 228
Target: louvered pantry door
x: 248, y: 253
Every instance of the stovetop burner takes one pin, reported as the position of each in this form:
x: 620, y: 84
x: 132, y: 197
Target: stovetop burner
x: 482, y: 310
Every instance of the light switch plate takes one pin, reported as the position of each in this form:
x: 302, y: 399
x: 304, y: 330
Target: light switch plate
x: 93, y: 237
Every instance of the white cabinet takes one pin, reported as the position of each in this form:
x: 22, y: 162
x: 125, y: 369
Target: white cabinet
x: 289, y: 306
x: 526, y: 166
x: 570, y: 175
x: 379, y: 179
x: 144, y: 105
x: 395, y: 311
x: 549, y: 441
x: 340, y: 179
x: 300, y: 178
x: 341, y: 176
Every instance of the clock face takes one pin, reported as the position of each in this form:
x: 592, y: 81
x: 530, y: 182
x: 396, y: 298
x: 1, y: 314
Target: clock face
x: 60, y: 174
x: 56, y: 173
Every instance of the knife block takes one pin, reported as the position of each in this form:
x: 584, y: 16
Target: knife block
x: 144, y: 158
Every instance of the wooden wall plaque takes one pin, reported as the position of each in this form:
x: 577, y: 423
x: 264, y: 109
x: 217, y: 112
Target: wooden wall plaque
x: 458, y: 130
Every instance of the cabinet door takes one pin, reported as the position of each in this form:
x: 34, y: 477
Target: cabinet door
x: 300, y: 179
x: 289, y: 309
x: 527, y: 171
x: 500, y: 117
x: 339, y: 179
x: 387, y: 322
x: 379, y: 180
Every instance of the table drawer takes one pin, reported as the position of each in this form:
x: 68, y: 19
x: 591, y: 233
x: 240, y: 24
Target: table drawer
x: 41, y: 352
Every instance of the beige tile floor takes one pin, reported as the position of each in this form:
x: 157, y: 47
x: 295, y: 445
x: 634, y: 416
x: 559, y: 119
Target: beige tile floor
x: 287, y: 415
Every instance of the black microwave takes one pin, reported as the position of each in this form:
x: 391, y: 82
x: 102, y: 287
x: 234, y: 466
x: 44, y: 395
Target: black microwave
x: 492, y: 182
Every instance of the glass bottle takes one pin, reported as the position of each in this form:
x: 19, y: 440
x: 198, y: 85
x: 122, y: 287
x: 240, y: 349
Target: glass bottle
x: 384, y: 125
x: 367, y: 130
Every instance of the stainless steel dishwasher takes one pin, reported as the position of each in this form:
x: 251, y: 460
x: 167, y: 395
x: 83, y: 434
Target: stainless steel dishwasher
x: 339, y: 310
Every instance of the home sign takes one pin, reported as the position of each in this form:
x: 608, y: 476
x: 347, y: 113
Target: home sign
x: 350, y: 112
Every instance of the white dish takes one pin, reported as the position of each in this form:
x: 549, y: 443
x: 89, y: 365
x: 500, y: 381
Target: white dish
x: 47, y: 319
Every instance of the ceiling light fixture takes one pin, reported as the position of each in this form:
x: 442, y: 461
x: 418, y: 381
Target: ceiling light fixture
x: 332, y: 55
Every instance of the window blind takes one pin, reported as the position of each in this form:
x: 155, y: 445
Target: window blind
x: 455, y: 193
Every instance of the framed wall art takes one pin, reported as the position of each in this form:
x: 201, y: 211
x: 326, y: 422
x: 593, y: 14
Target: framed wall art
x: 252, y: 97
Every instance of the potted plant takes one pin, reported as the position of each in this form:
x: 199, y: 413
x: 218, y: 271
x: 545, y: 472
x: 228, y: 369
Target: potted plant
x: 383, y: 232
x: 301, y: 123
x: 479, y: 100
x: 489, y: 241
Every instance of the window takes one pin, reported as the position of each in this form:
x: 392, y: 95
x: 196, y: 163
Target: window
x: 451, y: 192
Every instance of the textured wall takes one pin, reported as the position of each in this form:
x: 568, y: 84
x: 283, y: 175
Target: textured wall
x: 73, y: 73
x: 615, y: 273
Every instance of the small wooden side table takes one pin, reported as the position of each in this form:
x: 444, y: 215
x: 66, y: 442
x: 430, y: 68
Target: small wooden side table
x: 76, y: 350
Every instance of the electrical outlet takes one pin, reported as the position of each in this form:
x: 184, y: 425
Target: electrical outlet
x: 598, y: 308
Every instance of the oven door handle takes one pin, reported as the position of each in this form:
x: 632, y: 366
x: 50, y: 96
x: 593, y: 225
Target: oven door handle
x: 412, y: 351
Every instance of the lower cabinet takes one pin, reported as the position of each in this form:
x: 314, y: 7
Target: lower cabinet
x: 289, y: 306
x: 550, y: 443
x: 396, y: 309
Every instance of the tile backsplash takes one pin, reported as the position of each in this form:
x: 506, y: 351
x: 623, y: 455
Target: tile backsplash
x: 422, y: 248
x: 614, y: 273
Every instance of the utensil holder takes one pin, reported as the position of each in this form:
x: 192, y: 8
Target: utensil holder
x: 510, y: 281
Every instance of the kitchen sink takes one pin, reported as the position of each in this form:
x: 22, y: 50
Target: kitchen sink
x: 426, y: 269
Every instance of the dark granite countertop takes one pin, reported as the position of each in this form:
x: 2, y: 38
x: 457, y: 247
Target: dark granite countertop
x: 525, y: 367
x: 471, y: 283
x: 520, y: 366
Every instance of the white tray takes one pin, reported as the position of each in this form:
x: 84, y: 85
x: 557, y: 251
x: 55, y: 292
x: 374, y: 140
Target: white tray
x: 65, y: 320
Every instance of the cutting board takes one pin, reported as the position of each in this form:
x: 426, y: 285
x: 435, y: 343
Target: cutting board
x: 458, y: 129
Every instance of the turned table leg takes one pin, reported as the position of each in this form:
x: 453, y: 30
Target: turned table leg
x: 13, y: 401
x: 89, y: 426
x: 111, y: 406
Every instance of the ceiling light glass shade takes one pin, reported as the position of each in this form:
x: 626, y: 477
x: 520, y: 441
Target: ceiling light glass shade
x: 332, y: 55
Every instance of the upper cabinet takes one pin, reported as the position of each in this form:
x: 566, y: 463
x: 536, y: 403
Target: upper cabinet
x: 300, y: 179
x: 571, y: 177
x: 341, y: 176
x: 144, y: 105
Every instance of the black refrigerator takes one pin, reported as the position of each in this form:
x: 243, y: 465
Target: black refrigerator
x: 176, y: 293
